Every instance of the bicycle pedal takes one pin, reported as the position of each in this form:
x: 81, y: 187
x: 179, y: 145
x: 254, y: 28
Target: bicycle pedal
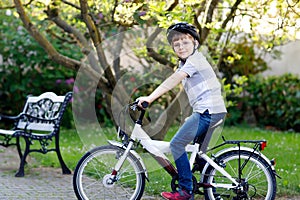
x: 199, y: 192
x: 218, y: 196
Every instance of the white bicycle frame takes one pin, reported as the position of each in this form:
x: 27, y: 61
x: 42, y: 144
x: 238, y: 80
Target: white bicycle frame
x: 159, y: 148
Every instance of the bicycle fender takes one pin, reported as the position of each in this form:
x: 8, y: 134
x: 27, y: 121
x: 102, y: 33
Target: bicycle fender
x: 134, y: 153
x: 223, y: 151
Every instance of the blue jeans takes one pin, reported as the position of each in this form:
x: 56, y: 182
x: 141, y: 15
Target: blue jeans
x: 195, y: 126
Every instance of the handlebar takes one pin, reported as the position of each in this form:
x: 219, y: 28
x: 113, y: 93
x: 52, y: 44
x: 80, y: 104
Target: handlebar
x: 145, y: 104
x: 134, y: 106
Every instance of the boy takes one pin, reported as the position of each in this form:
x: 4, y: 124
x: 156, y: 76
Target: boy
x: 204, y: 93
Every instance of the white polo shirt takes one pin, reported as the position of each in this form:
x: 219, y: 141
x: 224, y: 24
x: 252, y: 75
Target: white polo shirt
x: 202, y: 85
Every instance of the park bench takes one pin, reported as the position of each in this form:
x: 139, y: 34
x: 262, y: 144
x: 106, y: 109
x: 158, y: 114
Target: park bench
x: 39, y: 121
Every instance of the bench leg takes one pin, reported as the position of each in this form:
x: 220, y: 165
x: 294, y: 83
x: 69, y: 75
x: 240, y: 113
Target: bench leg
x: 20, y: 172
x: 65, y: 169
x: 19, y: 147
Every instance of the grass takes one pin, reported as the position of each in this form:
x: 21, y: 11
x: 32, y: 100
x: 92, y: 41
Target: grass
x: 284, y: 146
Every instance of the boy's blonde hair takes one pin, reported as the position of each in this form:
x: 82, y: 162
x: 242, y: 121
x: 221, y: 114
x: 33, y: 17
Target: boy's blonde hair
x: 179, y: 36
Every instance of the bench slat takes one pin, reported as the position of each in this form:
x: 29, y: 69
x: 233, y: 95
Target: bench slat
x: 36, y: 126
x: 6, y: 132
x: 46, y: 95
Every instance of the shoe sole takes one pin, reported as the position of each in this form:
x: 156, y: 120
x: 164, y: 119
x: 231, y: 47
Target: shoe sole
x: 192, y: 198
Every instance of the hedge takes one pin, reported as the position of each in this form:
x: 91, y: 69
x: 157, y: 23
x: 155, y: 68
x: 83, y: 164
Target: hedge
x: 273, y: 100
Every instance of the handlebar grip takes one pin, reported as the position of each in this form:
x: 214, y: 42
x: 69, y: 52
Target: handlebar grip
x: 145, y: 104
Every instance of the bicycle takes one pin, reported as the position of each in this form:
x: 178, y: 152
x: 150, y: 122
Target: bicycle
x: 117, y: 171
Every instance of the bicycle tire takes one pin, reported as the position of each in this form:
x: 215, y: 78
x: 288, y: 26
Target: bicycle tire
x: 257, y: 176
x: 96, y: 165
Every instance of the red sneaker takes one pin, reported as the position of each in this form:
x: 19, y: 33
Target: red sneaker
x: 177, y: 195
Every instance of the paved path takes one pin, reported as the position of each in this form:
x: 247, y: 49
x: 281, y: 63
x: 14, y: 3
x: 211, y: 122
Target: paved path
x: 38, y: 183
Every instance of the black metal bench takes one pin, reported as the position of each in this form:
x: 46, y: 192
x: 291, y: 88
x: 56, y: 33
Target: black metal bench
x: 39, y: 121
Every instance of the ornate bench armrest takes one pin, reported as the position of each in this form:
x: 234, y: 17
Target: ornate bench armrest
x: 7, y: 118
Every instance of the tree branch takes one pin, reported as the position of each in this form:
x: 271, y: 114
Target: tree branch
x: 53, y: 54
x: 87, y: 49
x: 196, y: 15
x: 209, y: 16
x: 71, y: 4
x: 229, y: 17
x: 11, y: 7
x: 96, y: 37
x: 156, y: 56
x: 47, y: 46
x: 117, y: 52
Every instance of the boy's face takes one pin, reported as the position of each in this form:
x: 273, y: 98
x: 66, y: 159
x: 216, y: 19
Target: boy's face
x: 183, y: 45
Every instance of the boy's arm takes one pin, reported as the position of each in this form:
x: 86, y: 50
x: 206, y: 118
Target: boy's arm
x: 164, y: 87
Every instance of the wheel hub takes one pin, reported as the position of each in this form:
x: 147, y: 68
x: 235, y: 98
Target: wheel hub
x: 242, y: 190
x: 107, y: 181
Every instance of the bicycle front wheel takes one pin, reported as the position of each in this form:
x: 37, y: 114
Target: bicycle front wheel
x: 256, y: 178
x: 91, y: 176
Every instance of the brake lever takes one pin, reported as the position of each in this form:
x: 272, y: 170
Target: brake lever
x: 134, y: 106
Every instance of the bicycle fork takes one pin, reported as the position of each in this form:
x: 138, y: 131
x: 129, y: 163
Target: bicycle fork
x: 119, y: 164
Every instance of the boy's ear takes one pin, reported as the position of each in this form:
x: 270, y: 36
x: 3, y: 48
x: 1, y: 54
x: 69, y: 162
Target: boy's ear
x: 196, y: 44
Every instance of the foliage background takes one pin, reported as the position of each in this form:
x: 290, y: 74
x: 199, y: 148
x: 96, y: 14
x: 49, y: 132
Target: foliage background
x: 45, y: 42
x: 270, y: 102
x: 31, y: 65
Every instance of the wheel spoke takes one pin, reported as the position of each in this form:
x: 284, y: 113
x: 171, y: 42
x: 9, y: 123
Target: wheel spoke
x: 258, y: 180
x: 92, y: 175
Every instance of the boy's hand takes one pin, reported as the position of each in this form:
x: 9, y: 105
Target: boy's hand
x: 143, y: 99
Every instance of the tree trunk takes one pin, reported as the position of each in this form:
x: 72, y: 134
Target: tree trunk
x: 103, y: 75
x: 179, y: 106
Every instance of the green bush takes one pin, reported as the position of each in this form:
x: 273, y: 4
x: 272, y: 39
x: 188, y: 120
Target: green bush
x: 25, y: 68
x: 274, y: 101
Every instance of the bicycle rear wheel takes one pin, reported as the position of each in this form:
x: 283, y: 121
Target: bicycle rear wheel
x: 92, y: 173
x: 257, y: 178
